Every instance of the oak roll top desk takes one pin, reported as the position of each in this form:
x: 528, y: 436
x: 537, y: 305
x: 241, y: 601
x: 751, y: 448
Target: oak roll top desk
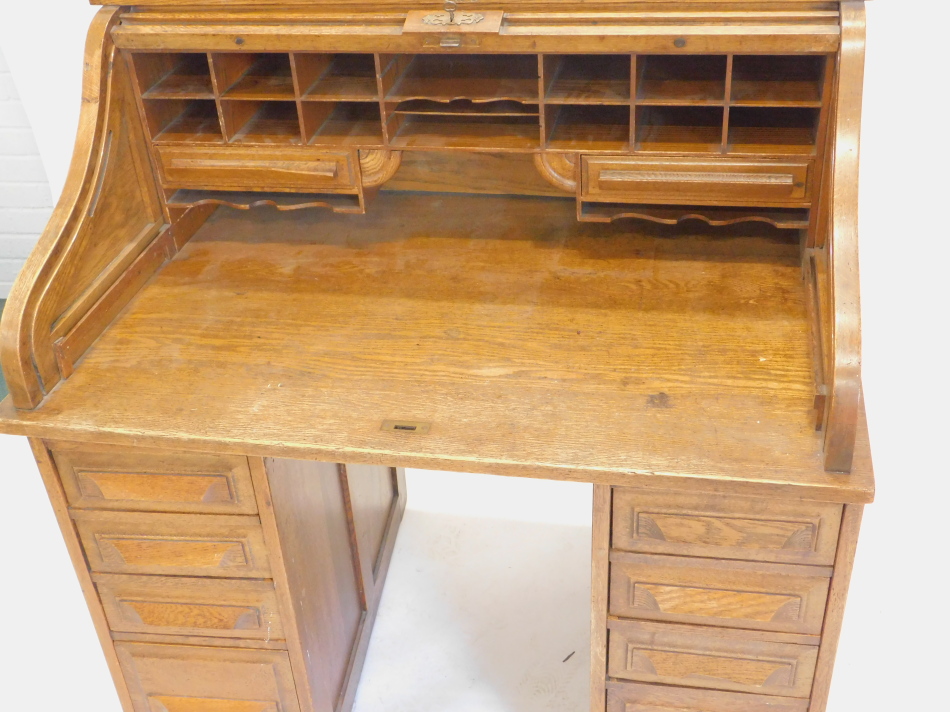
x: 303, y: 245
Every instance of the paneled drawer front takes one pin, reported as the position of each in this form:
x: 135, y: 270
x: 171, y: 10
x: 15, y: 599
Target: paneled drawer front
x: 715, y: 658
x: 174, y: 544
x: 180, y: 678
x: 733, y: 594
x: 102, y: 477
x: 728, y: 527
x: 631, y: 697
x: 681, y: 181
x: 236, y: 168
x: 176, y: 605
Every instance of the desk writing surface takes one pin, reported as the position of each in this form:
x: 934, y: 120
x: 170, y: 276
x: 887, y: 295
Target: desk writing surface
x: 532, y: 344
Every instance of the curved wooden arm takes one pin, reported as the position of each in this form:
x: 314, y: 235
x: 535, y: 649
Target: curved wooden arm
x: 106, y: 232
x: 844, y: 378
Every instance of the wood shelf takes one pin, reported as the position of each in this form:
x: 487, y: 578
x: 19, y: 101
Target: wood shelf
x: 679, y: 129
x: 777, y: 81
x: 483, y: 101
x: 184, y: 121
x: 477, y: 132
x: 590, y: 128
x: 676, y: 80
x: 587, y: 79
x: 772, y: 130
x: 260, y: 77
x: 336, y: 77
x: 262, y: 122
x: 345, y: 123
x: 475, y: 77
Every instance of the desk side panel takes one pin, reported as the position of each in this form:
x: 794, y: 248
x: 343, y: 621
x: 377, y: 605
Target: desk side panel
x: 107, y: 235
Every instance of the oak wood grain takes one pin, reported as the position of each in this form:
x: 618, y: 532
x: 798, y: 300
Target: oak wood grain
x: 730, y: 594
x: 691, y: 524
x: 142, y: 479
x: 228, y: 546
x: 617, y: 355
x: 712, y: 658
x: 178, y: 605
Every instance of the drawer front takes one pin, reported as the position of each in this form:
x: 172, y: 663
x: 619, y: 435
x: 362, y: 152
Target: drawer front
x: 631, y: 697
x: 173, y: 544
x: 180, y: 678
x: 719, y: 659
x: 726, y: 527
x: 236, y: 168
x: 695, y: 182
x: 101, y: 477
x: 734, y: 594
x: 177, y: 605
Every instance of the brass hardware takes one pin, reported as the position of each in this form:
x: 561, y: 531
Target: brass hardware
x: 452, y: 17
x: 450, y: 41
x: 406, y: 426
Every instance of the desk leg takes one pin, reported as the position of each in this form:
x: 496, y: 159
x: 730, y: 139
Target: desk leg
x: 600, y: 570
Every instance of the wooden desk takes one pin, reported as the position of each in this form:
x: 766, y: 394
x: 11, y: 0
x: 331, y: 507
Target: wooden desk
x: 304, y: 247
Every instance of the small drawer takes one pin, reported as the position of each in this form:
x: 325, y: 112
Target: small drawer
x: 678, y: 181
x: 727, y: 527
x: 177, y: 605
x: 632, y: 697
x: 713, y: 658
x: 104, y: 477
x: 185, y: 678
x: 733, y: 594
x: 272, y: 169
x: 173, y: 544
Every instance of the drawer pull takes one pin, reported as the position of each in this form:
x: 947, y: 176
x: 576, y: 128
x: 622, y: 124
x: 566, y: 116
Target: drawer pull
x: 615, y: 176
x: 318, y: 169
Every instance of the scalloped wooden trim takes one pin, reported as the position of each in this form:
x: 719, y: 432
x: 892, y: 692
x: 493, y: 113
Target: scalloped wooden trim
x: 378, y: 166
x: 249, y: 199
x: 795, y: 225
x: 558, y: 169
x: 844, y: 384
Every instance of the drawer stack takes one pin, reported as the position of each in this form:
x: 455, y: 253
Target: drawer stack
x: 716, y: 602
x: 177, y: 553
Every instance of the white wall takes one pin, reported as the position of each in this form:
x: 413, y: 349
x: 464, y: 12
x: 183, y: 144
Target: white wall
x: 893, y: 648
x: 25, y: 199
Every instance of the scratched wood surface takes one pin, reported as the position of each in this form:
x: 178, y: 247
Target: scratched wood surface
x: 533, y: 346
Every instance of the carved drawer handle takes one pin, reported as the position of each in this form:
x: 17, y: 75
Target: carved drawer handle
x: 611, y: 176
x: 320, y: 169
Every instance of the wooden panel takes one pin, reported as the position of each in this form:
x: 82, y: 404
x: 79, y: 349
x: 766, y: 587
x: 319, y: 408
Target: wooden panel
x: 599, y: 587
x: 272, y: 169
x: 177, y: 605
x: 630, y: 697
x: 108, y: 214
x: 106, y: 477
x: 687, y: 181
x: 834, y: 615
x: 178, y: 544
x: 715, y: 658
x: 731, y: 527
x: 179, y: 678
x: 318, y: 560
x: 372, y: 491
x: 731, y: 594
